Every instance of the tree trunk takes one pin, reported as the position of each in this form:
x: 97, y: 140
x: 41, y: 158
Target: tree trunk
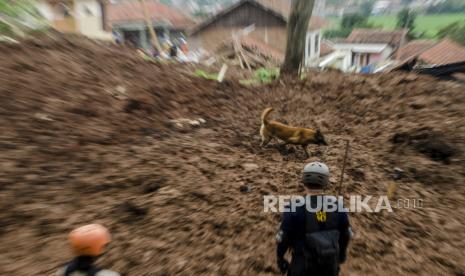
x: 148, y: 21
x: 297, y: 27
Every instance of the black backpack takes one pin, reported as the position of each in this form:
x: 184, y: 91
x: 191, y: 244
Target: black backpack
x: 83, y: 265
x: 321, y: 250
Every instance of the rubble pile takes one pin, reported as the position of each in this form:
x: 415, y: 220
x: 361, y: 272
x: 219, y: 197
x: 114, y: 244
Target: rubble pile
x: 171, y: 163
x: 248, y: 53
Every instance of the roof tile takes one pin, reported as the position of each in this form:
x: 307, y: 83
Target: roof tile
x: 130, y: 11
x: 280, y: 8
x: 413, y: 49
x: 445, y: 52
x: 283, y: 7
x: 393, y: 38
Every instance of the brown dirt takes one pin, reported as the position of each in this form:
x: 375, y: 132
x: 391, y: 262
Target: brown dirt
x: 86, y: 136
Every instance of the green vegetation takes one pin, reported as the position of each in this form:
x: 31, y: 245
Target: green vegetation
x: 201, y: 14
x: 406, y: 19
x: 347, y: 24
x: 354, y: 20
x: 267, y: 75
x: 205, y: 75
x: 334, y: 2
x: 367, y: 7
x: 455, y: 31
x: 261, y: 76
x: 428, y: 24
x: 450, y: 6
x: 337, y: 33
x: 166, y: 2
x: 14, y: 13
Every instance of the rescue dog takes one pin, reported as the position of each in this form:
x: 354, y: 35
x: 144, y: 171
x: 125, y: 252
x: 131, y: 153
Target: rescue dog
x: 290, y: 135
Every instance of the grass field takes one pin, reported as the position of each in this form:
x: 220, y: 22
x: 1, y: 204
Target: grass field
x: 430, y: 24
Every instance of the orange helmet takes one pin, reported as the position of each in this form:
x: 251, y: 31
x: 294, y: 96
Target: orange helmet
x: 89, y: 240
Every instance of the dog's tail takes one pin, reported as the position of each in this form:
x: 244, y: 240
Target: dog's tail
x: 265, y: 114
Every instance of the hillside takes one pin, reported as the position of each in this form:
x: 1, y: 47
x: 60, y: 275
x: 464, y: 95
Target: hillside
x: 87, y: 135
x: 429, y: 24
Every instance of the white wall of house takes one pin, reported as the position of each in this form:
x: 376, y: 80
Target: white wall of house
x: 88, y: 15
x: 339, y: 59
x: 312, y: 47
x: 55, y: 11
x: 362, y: 47
x: 360, y: 55
x: 387, y: 52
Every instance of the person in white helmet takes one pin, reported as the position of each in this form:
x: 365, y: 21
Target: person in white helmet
x: 318, y: 239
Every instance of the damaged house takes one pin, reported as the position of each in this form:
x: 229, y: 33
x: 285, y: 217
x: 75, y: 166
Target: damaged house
x: 126, y: 18
x: 364, y: 50
x: 443, y: 59
x: 259, y: 24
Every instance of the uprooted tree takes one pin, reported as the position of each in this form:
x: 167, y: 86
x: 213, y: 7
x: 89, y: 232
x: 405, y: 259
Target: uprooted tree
x: 297, y: 27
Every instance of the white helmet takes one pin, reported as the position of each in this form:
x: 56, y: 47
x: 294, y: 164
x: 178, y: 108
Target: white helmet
x: 315, y: 175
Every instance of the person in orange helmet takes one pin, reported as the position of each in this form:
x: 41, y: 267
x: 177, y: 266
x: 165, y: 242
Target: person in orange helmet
x: 87, y: 242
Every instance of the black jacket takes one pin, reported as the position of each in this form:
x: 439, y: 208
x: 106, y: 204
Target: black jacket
x: 293, y: 230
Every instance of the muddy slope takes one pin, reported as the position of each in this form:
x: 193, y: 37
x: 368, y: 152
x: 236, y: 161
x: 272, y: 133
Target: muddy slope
x: 92, y: 133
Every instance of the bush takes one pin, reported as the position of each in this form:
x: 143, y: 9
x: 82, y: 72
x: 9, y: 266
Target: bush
x: 348, y: 23
x: 337, y: 33
x: 262, y: 75
x: 355, y: 20
x: 205, y: 75
x: 455, y: 31
x: 266, y: 75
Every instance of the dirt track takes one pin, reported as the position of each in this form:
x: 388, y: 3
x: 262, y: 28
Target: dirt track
x: 86, y: 136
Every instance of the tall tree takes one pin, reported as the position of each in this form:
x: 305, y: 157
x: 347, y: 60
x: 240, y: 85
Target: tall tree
x: 367, y: 7
x: 297, y: 27
x: 348, y: 23
x: 354, y: 20
x: 406, y: 19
